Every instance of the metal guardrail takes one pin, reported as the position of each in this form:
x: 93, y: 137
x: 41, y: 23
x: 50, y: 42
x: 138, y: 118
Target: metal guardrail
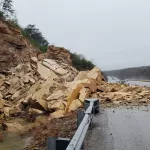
x: 84, y: 121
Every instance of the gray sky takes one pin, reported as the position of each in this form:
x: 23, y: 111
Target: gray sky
x: 113, y: 33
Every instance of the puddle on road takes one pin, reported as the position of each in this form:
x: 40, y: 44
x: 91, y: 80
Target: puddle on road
x: 12, y: 141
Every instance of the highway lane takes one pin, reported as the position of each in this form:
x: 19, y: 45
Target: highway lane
x: 120, y: 129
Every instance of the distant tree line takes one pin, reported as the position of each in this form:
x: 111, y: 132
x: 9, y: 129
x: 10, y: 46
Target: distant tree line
x: 36, y: 38
x: 138, y: 73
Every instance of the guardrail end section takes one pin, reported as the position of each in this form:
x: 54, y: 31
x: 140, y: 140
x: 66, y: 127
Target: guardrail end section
x: 57, y: 143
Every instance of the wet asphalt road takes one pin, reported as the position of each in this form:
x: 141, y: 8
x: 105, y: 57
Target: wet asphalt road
x: 120, y: 129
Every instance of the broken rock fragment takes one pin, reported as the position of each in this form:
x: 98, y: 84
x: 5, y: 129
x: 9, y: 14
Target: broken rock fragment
x: 57, y: 114
x: 75, y: 105
x: 56, y: 95
x: 34, y: 60
x: 2, y: 79
x: 12, y: 127
x: 35, y: 111
x: 56, y: 105
x: 84, y: 93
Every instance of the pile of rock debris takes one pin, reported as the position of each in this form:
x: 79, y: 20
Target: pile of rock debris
x: 36, y: 87
x: 116, y: 94
x: 46, y: 86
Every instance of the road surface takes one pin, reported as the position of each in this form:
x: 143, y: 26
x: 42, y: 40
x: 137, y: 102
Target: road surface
x: 127, y: 81
x: 120, y: 129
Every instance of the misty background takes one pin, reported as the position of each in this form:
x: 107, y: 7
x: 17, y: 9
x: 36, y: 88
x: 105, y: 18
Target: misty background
x: 114, y: 34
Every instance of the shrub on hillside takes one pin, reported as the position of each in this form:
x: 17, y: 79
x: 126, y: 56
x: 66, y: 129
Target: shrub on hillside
x: 81, y: 63
x: 33, y: 41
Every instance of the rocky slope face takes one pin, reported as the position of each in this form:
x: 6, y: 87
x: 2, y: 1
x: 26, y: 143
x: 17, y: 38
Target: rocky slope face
x: 60, y: 54
x: 14, y: 48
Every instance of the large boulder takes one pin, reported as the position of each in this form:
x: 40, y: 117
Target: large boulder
x: 96, y: 75
x: 93, y: 78
x: 38, y: 97
x: 84, y: 93
x: 54, y: 66
x: 45, y: 72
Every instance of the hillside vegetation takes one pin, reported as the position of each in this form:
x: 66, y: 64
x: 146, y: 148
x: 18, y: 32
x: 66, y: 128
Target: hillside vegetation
x: 139, y: 73
x: 35, y: 36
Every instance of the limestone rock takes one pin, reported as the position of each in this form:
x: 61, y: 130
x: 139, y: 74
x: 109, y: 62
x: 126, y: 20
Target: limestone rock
x: 57, y: 114
x: 35, y: 111
x: 81, y: 75
x: 56, y: 105
x: 70, y: 77
x: 1, y: 104
x: 54, y: 66
x: 15, y: 95
x: 2, y: 88
x: 143, y: 101
x: 12, y: 127
x: 37, y: 97
x: 102, y: 88
x: 14, y: 111
x: 45, y: 72
x: 39, y: 104
x: 58, y: 54
x: 34, y: 60
x: 7, y: 82
x: 75, y: 105
x: 96, y: 75
x: 6, y: 112
x: 84, y: 93
x: 73, y: 95
x: 1, y: 96
x: 32, y: 81
x: 56, y: 95
x: 75, y: 87
x: 2, y: 78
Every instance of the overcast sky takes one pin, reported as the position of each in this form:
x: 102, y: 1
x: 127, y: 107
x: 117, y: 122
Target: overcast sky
x: 113, y: 33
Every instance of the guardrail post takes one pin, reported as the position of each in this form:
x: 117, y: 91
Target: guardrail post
x: 51, y: 143
x: 96, y: 104
x: 62, y: 143
x: 80, y: 116
x: 57, y: 143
